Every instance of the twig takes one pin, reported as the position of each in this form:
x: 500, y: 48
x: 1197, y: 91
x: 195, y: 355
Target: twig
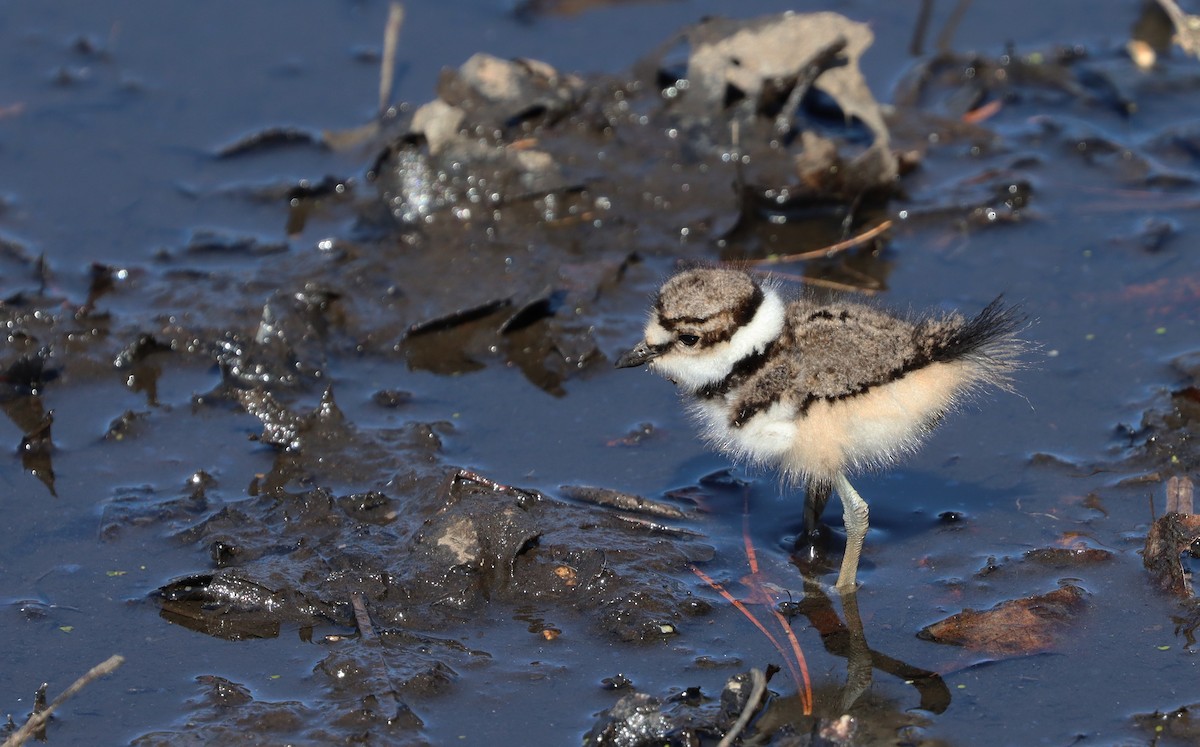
x: 1179, y: 495
x: 468, y: 475
x: 387, y: 66
x: 609, y: 498
x: 760, y: 685
x: 654, y: 526
x: 389, y: 701
x: 38, y: 720
x: 362, y: 618
x: 828, y: 251
x: 986, y: 111
x: 946, y: 38
x: 916, y: 47
x: 820, y: 62
x: 798, y: 669
x: 822, y: 283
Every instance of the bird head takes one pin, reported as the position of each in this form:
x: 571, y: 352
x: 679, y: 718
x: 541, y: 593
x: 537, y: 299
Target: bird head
x: 703, y: 322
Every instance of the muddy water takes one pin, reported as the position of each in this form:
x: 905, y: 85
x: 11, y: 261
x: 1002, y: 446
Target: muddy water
x: 157, y: 474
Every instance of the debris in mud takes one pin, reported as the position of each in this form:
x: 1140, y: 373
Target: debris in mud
x: 461, y: 545
x: 1014, y: 628
x: 123, y: 426
x: 321, y: 446
x: 218, y: 714
x: 453, y: 550
x: 230, y: 607
x: 37, y: 446
x: 1166, y: 438
x: 636, y: 719
x: 642, y: 719
x: 542, y: 306
x: 968, y: 88
x: 1172, y: 537
x: 496, y: 95
x: 141, y: 506
x: 1179, y: 726
x: 623, y: 501
x: 1076, y: 556
x: 137, y: 351
x: 547, y: 350
x: 103, y: 281
x: 210, y: 241
x: 773, y: 63
x: 270, y: 138
x: 1152, y: 235
x: 280, y: 427
x: 251, y: 363
x: 636, y: 436
x: 142, y: 372
x: 391, y: 398
x: 459, y: 317
x: 35, y: 727
x: 782, y: 93
x: 738, y: 715
x: 26, y: 376
x: 1061, y: 558
x: 466, y: 148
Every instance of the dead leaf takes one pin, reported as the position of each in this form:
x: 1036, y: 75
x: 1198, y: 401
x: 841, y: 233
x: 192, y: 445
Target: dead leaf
x: 1013, y: 628
x: 1171, y: 536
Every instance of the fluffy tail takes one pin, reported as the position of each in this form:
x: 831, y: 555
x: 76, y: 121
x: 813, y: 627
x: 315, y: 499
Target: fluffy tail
x: 990, y: 340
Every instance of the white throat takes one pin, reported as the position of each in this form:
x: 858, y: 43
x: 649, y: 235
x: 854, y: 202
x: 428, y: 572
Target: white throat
x: 692, y: 372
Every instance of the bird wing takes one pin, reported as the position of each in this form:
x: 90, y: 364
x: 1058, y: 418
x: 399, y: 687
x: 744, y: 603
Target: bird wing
x: 845, y: 349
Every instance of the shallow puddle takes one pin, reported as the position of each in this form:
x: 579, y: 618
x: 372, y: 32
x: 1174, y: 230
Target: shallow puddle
x: 238, y: 392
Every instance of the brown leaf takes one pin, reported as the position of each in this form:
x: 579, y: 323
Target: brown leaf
x: 1013, y: 628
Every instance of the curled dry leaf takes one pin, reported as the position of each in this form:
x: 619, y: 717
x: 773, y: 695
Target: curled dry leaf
x: 1015, y: 627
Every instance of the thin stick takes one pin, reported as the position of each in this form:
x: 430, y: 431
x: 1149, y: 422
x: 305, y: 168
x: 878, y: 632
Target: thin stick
x: 38, y: 720
x: 916, y: 47
x: 945, y: 38
x: 760, y: 686
x: 654, y: 526
x: 388, y: 701
x: 822, y: 283
x: 803, y: 683
x: 747, y: 542
x: 362, y: 618
x: 1179, y: 495
x: 828, y: 251
x: 387, y: 66
x: 806, y: 694
x: 741, y: 607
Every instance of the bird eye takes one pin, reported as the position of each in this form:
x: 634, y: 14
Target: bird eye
x: 689, y: 340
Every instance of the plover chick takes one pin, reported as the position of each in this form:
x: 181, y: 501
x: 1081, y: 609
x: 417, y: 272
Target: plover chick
x: 818, y: 389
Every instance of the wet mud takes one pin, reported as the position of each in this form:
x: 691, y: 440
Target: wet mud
x: 340, y: 456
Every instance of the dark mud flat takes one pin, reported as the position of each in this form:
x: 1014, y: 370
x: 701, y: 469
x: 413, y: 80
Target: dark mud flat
x: 316, y: 423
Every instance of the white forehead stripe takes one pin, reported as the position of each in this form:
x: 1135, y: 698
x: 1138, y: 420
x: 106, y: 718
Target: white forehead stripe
x: 656, y: 334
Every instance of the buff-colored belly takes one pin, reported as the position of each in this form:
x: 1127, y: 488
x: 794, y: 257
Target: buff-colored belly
x: 833, y: 436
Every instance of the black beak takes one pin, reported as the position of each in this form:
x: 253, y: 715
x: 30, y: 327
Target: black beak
x: 640, y: 354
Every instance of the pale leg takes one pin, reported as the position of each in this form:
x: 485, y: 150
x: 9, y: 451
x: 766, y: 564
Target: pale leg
x: 855, y: 515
